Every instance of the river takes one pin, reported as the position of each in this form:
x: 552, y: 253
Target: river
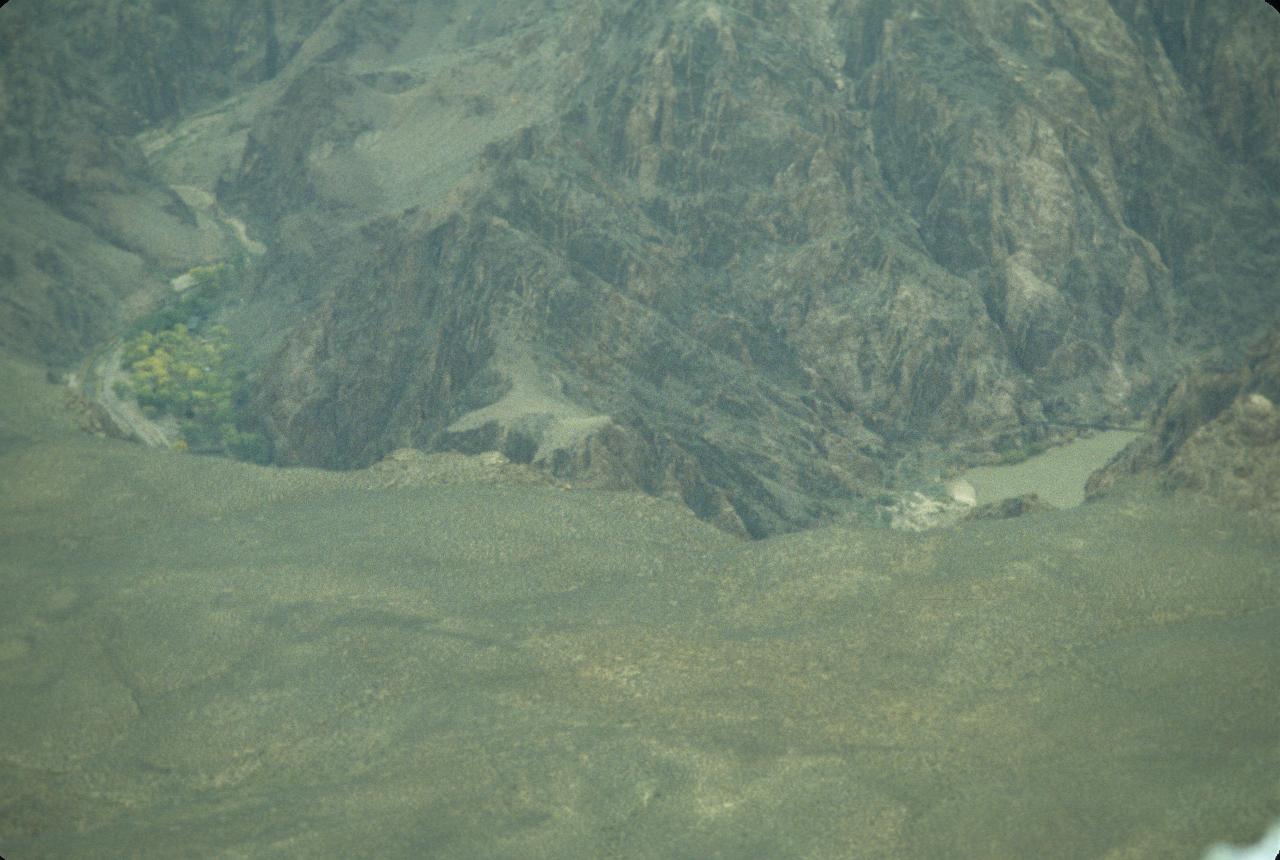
x: 1058, y: 475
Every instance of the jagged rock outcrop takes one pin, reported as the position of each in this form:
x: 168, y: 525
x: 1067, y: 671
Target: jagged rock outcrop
x: 1007, y: 509
x: 1216, y: 434
x: 769, y: 247
x: 745, y: 254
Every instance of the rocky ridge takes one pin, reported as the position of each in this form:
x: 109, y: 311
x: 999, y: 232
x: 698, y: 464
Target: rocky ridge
x: 762, y: 258
x: 1216, y: 434
x: 771, y: 250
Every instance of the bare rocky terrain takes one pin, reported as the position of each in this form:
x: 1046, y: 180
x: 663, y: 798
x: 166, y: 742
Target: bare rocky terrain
x: 1216, y: 434
x: 768, y: 260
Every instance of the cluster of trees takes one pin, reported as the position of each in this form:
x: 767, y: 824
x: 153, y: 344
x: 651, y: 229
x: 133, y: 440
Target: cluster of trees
x: 180, y: 365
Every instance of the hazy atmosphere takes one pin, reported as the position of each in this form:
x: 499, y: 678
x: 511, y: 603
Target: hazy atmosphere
x: 640, y: 428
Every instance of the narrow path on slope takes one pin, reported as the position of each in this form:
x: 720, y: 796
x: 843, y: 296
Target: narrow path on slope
x: 96, y: 383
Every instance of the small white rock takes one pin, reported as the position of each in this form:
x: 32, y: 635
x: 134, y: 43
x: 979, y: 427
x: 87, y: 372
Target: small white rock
x: 962, y: 491
x: 1259, y: 405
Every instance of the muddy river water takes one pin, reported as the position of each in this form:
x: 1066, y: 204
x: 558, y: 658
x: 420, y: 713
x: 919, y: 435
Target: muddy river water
x: 1057, y: 476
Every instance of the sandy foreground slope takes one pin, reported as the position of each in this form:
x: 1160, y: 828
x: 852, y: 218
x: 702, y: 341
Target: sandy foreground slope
x: 199, y: 657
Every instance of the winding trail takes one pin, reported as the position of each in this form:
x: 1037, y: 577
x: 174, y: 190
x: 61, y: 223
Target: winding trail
x: 96, y: 384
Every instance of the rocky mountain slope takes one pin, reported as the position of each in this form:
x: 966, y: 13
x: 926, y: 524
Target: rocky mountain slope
x: 765, y: 258
x: 1217, y: 433
x: 88, y: 230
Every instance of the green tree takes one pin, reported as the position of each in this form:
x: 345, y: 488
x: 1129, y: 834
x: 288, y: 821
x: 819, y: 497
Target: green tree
x: 193, y: 374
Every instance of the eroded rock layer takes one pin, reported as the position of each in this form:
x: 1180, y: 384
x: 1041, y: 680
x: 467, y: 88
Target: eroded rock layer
x: 766, y: 258
x: 1217, y: 433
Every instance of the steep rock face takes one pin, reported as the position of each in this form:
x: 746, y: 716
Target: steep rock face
x: 1217, y: 434
x: 88, y: 229
x: 765, y: 248
x: 1215, y: 53
x: 762, y: 257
